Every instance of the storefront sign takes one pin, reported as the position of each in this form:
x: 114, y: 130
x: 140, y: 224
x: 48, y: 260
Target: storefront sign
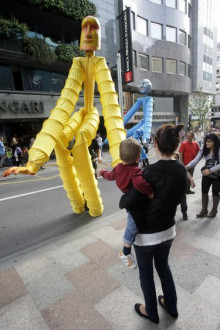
x: 156, y: 117
x: 127, y: 50
x: 31, y: 107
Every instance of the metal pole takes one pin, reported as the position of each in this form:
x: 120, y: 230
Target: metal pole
x: 120, y: 95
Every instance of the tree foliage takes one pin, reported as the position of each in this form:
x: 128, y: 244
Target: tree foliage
x: 38, y: 49
x: 66, y: 52
x: 12, y: 30
x: 199, y: 106
x: 76, y: 9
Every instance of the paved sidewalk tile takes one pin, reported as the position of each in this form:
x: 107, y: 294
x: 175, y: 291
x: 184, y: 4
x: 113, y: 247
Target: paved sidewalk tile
x: 22, y: 314
x: 47, y: 285
x: 202, y: 310
x: 74, y: 312
x: 102, y: 254
x: 92, y: 281
x: 110, y: 236
x: 11, y: 287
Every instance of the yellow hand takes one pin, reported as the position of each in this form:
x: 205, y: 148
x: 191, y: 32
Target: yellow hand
x: 18, y: 170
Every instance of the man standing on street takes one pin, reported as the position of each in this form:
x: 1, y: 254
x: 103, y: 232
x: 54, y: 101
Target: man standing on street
x: 2, y: 152
x: 187, y: 152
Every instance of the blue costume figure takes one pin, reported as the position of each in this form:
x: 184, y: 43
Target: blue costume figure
x: 142, y: 130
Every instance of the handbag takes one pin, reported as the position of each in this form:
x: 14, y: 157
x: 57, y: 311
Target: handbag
x: 209, y: 164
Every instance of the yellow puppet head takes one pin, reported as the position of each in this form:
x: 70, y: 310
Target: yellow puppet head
x: 90, y: 34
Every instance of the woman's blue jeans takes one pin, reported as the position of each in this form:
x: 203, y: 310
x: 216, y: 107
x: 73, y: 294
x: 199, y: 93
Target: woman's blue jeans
x: 145, y: 256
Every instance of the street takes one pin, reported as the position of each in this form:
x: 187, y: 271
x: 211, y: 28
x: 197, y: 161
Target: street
x: 36, y: 208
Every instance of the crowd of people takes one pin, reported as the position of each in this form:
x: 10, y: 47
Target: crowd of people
x: 14, y: 154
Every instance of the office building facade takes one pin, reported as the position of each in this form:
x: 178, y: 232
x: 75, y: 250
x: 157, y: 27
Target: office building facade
x: 173, y: 45
x: 215, y: 114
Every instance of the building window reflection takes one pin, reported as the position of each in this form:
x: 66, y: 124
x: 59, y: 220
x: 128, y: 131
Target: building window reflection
x: 171, y: 3
x: 6, y: 80
x: 158, y: 2
x: 156, y: 31
x: 142, y: 25
x: 182, y: 37
x: 143, y: 61
x: 135, y: 58
x: 170, y: 33
x: 157, y: 64
x: 182, y: 6
x: 182, y: 68
x: 45, y: 81
x: 171, y: 66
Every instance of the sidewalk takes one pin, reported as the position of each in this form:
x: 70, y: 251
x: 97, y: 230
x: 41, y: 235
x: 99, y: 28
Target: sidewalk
x: 78, y: 281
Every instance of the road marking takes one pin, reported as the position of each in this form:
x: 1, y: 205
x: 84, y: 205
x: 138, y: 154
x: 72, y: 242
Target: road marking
x: 30, y: 193
x: 38, y: 178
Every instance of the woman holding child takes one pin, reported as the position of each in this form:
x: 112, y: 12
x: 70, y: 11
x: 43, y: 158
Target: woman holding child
x: 156, y: 224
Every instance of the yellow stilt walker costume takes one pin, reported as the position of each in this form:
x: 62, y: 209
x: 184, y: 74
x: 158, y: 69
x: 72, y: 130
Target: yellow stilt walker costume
x: 64, y: 124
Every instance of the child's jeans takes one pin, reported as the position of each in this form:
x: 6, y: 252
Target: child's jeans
x: 130, y: 231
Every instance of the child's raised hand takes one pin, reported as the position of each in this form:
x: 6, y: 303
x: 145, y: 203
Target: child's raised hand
x: 99, y: 172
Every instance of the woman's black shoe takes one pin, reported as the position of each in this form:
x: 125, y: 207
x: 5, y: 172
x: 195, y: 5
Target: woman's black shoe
x: 138, y: 310
x: 175, y: 315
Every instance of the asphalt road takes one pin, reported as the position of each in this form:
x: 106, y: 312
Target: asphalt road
x: 35, y: 209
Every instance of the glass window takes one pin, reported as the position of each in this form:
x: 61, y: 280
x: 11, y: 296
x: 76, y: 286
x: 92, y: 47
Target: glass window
x: 144, y: 61
x: 159, y: 2
x: 156, y: 31
x: 182, y: 37
x: 45, y: 81
x: 6, y: 81
x: 135, y: 58
x: 189, y: 70
x: 189, y: 10
x: 171, y: 66
x: 157, y: 64
x: 133, y: 20
x: 189, y: 42
x: 57, y: 81
x: 182, y: 68
x: 182, y: 6
x: 141, y: 25
x: 170, y: 33
x: 36, y: 80
x: 171, y: 3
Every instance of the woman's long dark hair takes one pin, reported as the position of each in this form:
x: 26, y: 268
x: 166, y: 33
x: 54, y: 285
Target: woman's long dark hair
x: 213, y: 137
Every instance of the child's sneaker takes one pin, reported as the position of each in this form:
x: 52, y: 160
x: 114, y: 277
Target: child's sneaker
x: 128, y: 260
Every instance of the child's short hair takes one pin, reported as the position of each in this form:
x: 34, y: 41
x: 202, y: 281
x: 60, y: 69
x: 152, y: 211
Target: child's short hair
x: 130, y: 150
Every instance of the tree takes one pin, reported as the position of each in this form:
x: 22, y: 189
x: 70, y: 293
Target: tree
x: 199, y: 106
